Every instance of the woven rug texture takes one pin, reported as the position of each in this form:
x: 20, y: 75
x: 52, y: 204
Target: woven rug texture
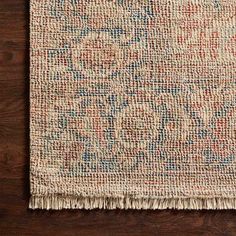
x: 133, y: 104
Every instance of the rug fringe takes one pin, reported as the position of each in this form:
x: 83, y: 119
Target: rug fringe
x: 68, y: 202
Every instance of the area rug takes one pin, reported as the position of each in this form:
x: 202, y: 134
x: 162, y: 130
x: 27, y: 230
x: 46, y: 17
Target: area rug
x: 133, y: 104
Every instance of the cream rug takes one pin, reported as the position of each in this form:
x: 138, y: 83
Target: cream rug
x: 133, y: 104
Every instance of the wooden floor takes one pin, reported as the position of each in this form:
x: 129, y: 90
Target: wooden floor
x: 15, y: 218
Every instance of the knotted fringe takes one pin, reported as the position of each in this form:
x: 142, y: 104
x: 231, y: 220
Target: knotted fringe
x: 68, y: 202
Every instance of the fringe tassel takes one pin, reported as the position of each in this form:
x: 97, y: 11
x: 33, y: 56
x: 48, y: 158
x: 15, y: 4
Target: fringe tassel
x: 69, y: 202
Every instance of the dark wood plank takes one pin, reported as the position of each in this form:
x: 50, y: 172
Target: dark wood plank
x: 15, y: 218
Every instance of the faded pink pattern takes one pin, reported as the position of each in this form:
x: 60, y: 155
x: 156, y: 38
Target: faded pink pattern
x: 134, y: 98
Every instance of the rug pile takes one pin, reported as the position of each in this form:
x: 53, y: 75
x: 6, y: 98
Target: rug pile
x: 133, y: 104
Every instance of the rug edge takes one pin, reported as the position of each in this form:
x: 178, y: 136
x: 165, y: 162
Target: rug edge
x: 130, y: 202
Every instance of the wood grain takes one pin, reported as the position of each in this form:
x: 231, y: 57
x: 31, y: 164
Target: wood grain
x: 15, y: 218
